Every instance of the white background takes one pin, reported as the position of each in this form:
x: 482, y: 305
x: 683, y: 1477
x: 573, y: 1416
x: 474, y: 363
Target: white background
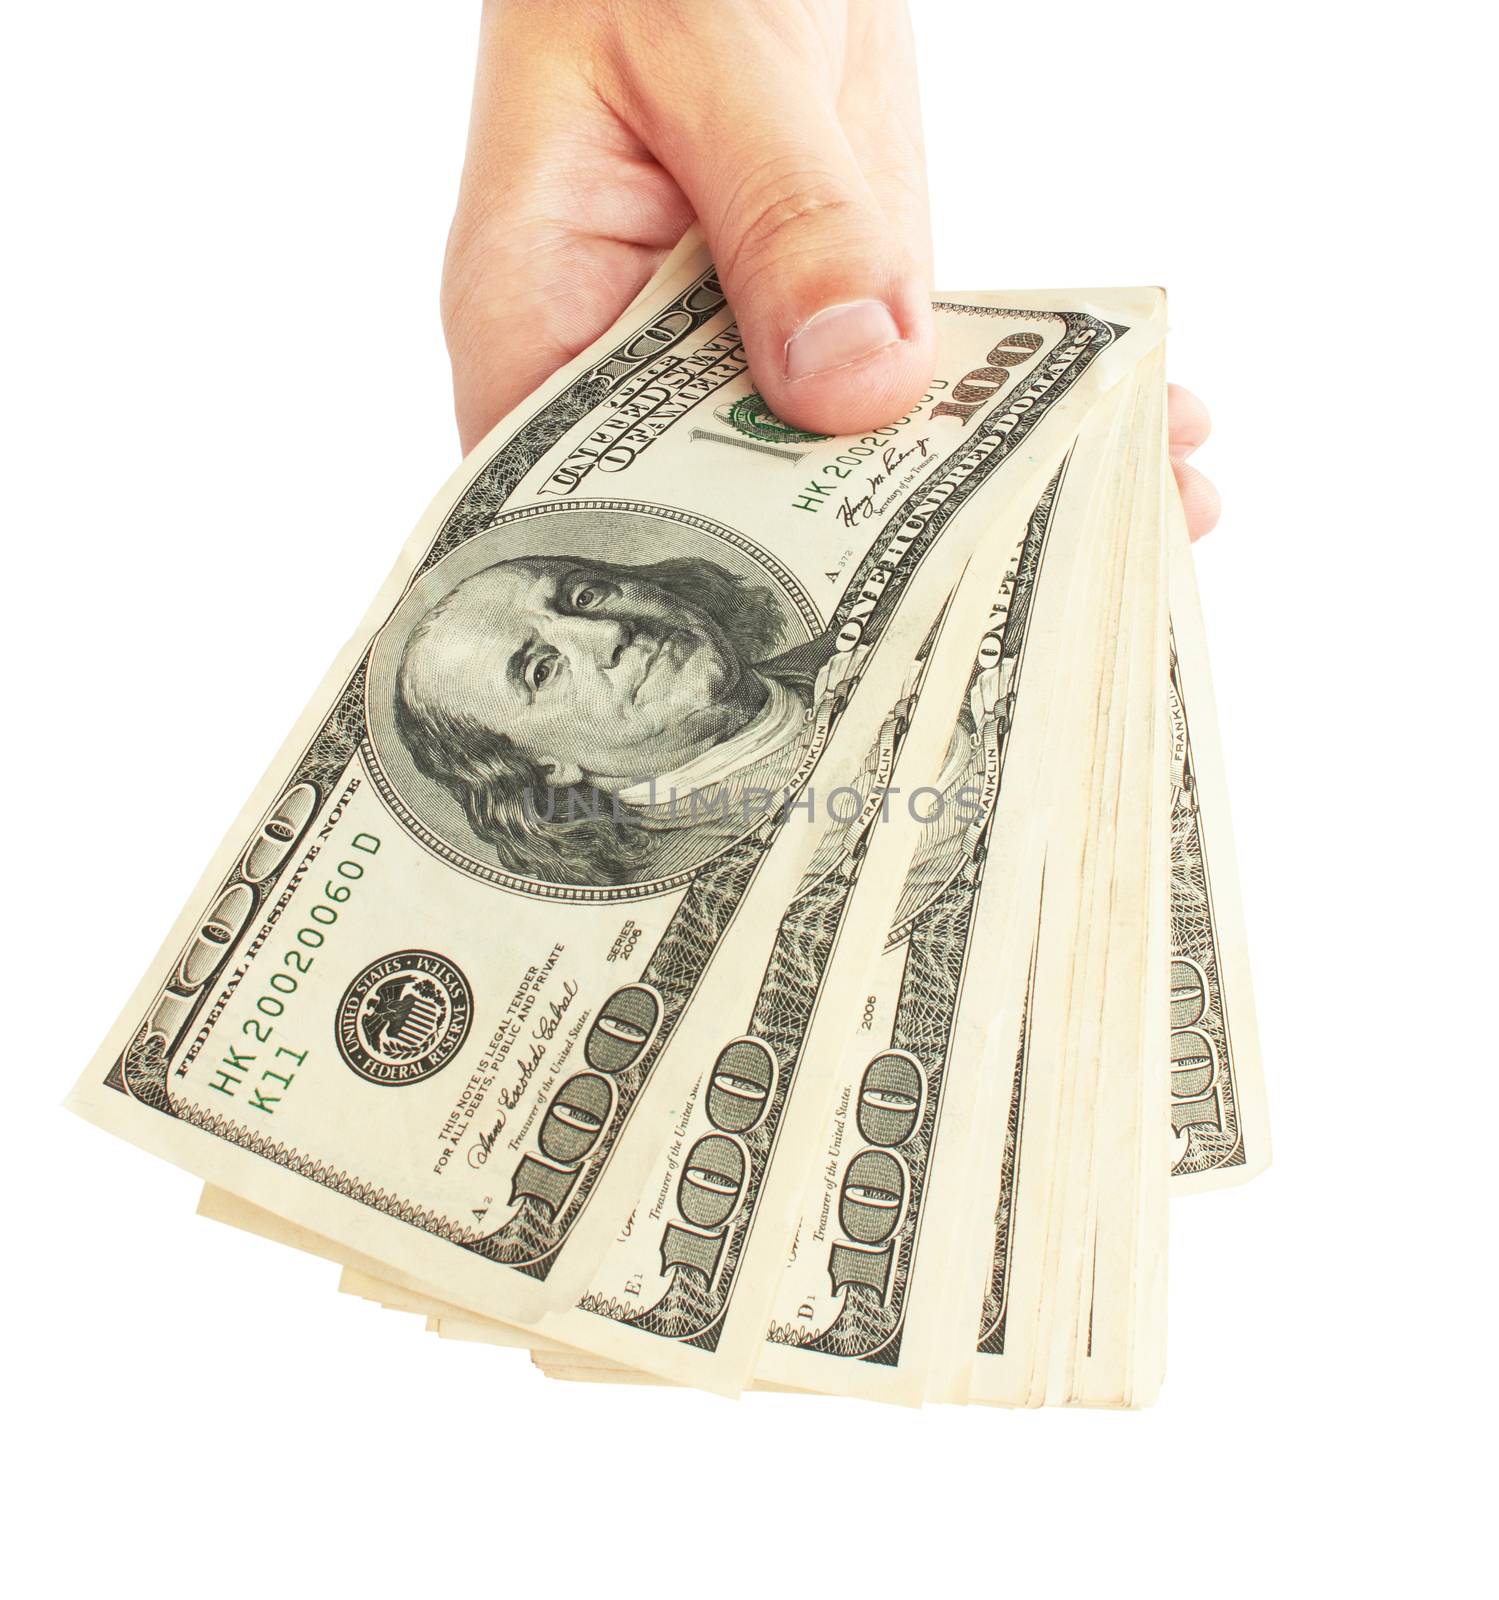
x: 225, y: 404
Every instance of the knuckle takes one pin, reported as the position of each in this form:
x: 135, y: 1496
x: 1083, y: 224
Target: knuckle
x: 780, y: 213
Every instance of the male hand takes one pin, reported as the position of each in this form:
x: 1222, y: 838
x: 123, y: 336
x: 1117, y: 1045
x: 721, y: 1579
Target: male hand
x: 789, y: 128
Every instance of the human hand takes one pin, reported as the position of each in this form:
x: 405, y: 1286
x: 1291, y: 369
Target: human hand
x: 789, y: 128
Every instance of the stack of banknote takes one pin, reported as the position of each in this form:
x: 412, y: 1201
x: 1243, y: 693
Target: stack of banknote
x: 747, y: 909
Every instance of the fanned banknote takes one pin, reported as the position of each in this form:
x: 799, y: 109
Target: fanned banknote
x: 685, y: 1290
x: 1012, y: 1334
x: 860, y: 1303
x: 442, y: 990
x: 887, y: 1280
x: 1220, y: 1130
x: 958, y: 1057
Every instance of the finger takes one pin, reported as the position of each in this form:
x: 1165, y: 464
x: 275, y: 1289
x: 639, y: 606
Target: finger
x: 831, y: 298
x: 1200, y: 499
x: 1187, y: 419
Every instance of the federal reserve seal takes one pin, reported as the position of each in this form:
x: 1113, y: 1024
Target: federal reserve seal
x: 404, y: 1017
x: 751, y: 416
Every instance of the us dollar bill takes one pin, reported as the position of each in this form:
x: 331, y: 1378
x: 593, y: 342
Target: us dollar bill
x: 1022, y: 1193
x: 662, y: 1295
x: 661, y: 1299
x: 683, y: 1290
x: 1219, y: 1131
x: 687, y: 1290
x: 417, y: 1001
x: 994, y: 1314
x: 665, y: 1292
x: 845, y: 1318
x: 990, y: 1342
x: 1219, y: 1125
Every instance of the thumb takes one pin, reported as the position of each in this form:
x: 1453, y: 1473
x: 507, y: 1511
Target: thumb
x: 831, y: 300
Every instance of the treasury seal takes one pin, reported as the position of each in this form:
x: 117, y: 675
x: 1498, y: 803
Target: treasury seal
x: 404, y: 1017
x: 751, y: 416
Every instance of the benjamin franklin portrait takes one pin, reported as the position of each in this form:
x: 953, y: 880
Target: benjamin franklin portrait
x: 598, y: 718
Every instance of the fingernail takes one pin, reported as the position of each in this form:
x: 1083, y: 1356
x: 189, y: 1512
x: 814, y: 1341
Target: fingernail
x: 839, y: 335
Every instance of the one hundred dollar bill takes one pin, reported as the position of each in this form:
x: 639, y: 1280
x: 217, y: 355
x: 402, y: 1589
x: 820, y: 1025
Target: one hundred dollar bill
x: 1028, y: 1170
x: 687, y: 1291
x: 684, y: 1291
x: 424, y: 1001
x: 662, y: 1296
x: 1219, y: 1125
x: 860, y: 1304
x: 1219, y: 1132
x: 1217, y: 1119
x: 920, y: 984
